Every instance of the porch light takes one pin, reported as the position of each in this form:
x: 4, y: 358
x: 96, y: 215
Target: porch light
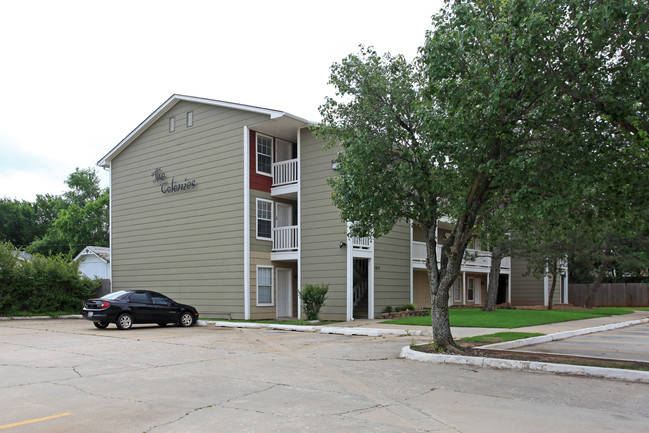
x: 334, y: 165
x: 342, y: 245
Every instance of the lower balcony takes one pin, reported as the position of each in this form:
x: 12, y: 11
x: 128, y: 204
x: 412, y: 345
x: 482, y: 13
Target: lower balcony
x: 285, y: 243
x: 474, y: 260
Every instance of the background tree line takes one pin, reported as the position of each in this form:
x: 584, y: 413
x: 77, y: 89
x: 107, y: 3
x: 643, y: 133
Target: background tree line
x: 62, y: 224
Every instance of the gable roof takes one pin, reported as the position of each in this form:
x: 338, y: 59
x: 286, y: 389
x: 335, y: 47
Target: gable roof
x: 102, y: 252
x: 175, y: 99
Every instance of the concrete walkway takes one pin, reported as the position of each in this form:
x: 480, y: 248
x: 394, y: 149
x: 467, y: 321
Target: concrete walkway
x: 461, y: 332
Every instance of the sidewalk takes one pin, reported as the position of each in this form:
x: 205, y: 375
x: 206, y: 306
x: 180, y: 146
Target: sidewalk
x: 461, y: 332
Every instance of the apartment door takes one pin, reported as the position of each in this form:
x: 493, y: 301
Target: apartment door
x: 284, y: 292
x: 284, y: 213
x: 283, y: 150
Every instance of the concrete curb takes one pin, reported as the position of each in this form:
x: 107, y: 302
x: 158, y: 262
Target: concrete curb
x: 577, y: 370
x: 560, y: 335
x: 368, y: 332
x: 67, y: 316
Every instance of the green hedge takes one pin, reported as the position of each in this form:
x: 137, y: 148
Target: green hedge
x: 42, y: 285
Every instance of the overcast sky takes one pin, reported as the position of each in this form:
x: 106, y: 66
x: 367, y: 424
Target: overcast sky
x: 78, y: 76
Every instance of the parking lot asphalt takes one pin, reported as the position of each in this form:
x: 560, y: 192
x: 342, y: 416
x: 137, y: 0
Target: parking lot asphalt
x: 65, y: 375
x: 630, y: 343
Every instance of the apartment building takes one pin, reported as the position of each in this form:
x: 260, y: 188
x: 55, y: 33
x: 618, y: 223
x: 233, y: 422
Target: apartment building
x: 226, y: 207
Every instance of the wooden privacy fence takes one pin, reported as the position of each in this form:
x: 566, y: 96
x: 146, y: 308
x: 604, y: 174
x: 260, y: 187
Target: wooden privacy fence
x: 611, y: 295
x: 104, y: 289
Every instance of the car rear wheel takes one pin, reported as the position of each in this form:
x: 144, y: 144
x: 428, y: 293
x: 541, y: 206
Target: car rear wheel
x: 124, y: 321
x: 101, y: 325
x: 186, y: 319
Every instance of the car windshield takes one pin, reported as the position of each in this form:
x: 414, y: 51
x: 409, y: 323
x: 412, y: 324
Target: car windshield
x: 115, y: 295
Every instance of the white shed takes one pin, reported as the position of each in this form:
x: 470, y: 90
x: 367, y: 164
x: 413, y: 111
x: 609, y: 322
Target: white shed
x: 94, y: 262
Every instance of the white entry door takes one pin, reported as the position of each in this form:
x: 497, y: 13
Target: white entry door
x: 284, y: 293
x: 283, y: 150
x: 284, y: 214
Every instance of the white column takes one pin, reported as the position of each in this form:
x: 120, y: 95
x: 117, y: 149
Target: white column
x: 299, y: 224
x: 246, y: 222
x: 463, y: 288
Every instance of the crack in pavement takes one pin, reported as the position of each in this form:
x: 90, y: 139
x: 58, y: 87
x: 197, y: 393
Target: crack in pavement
x: 212, y: 405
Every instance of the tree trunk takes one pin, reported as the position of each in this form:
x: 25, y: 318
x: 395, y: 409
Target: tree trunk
x: 497, y: 254
x: 552, y: 287
x: 439, y: 294
x: 599, y: 277
x: 442, y: 278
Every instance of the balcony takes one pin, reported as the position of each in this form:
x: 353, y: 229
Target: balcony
x: 475, y: 260
x: 362, y: 244
x: 285, y: 176
x: 285, y: 243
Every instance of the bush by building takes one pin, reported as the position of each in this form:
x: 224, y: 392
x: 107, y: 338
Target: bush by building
x: 41, y: 284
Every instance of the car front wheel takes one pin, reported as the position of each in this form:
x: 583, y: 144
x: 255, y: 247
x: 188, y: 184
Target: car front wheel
x: 101, y: 325
x: 186, y: 319
x: 124, y: 321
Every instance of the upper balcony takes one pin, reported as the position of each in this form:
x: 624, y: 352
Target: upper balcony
x: 474, y: 260
x: 285, y: 177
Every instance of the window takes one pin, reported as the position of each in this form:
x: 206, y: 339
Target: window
x: 264, y: 219
x: 172, y: 124
x: 470, y: 289
x: 264, y: 154
x: 157, y: 298
x: 139, y: 298
x: 264, y: 285
x: 457, y: 291
x: 190, y: 118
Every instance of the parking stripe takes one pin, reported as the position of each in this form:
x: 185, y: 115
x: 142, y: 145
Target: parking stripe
x: 31, y: 421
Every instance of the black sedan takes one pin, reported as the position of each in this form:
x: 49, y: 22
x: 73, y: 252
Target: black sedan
x: 127, y: 307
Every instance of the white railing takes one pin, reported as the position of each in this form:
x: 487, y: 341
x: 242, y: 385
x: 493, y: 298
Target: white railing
x: 362, y: 243
x: 284, y: 172
x: 477, y: 258
x: 474, y: 258
x: 419, y: 252
x: 285, y: 238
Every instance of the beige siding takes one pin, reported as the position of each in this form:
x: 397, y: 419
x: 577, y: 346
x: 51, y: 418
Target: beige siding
x: 187, y: 244
x: 526, y: 289
x: 260, y: 312
x: 321, y: 228
x: 392, y: 268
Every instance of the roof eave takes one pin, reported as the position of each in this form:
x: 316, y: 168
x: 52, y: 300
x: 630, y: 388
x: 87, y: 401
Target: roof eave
x: 173, y: 100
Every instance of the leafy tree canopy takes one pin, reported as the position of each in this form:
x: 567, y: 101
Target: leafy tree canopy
x: 508, y: 100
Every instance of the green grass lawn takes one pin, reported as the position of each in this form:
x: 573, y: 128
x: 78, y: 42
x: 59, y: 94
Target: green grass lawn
x: 512, y: 318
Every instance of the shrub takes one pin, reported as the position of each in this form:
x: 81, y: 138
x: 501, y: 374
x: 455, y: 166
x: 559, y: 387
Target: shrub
x: 313, y: 298
x: 399, y: 308
x: 410, y: 306
x: 388, y: 309
x: 42, y: 285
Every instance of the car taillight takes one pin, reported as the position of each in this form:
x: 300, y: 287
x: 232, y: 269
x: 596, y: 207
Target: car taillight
x: 104, y: 304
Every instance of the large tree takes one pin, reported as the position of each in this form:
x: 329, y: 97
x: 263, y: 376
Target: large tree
x: 486, y: 113
x: 75, y: 220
